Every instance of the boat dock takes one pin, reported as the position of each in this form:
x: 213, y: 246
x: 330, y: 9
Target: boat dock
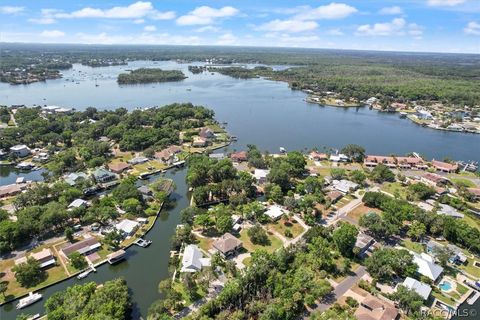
x: 142, y: 242
x: 473, y: 297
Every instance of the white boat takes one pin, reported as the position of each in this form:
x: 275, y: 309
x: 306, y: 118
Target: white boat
x: 28, y: 300
x: 283, y: 150
x: 34, y: 317
x: 142, y: 242
x: 85, y: 273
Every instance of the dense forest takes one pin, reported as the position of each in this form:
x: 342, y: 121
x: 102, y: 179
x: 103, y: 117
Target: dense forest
x: 150, y: 75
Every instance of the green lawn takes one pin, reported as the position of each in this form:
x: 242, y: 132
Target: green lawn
x: 413, y: 246
x: 443, y: 298
x: 180, y: 288
x: 463, y: 182
x: 395, y: 188
x: 472, y: 220
x: 204, y: 243
x: 275, y: 243
x: 471, y: 269
x: 281, y: 226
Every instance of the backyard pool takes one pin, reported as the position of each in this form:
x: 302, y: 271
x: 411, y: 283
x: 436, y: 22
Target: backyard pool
x: 445, y: 286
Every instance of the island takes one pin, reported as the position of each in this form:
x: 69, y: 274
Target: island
x: 150, y: 75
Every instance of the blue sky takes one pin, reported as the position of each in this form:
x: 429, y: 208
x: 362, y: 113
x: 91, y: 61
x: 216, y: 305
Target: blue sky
x: 401, y: 25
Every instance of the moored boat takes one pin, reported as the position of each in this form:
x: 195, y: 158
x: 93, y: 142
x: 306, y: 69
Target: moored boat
x: 28, y: 300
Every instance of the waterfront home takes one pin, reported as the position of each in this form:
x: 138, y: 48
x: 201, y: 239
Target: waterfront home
x: 274, y: 212
x: 344, y: 186
x: 421, y: 288
x: 217, y: 156
x: 11, y: 190
x: 411, y: 162
x: 444, y: 166
x: 20, y: 150
x: 424, y: 115
x: 41, y: 157
x: 75, y: 177
x: 192, y: 260
x: 373, y: 161
x: 434, y: 179
x: 118, y: 167
x: 44, y: 257
x: 456, y: 254
x: 145, y: 191
x: 78, y: 203
x: 167, y: 155
x: 317, y: 156
x: 137, y: 160
x: 261, y: 175
x: 398, y: 106
x: 371, y: 100
x: 227, y: 245
x: 199, y: 142
x: 239, y: 156
x: 127, y: 227
x: 103, y: 175
x: 475, y: 192
x: 83, y: 247
x: 339, y: 158
x: 363, y: 243
x: 447, y: 210
x: 334, y: 196
x: 374, y: 308
x: 206, y: 133
x: 426, y: 266
x: 50, y: 109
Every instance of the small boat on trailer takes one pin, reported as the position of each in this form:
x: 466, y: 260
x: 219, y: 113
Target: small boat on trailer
x: 28, y: 300
x: 142, y: 242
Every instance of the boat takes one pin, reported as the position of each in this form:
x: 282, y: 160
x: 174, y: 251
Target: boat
x: 85, y: 273
x: 403, y: 115
x: 116, y: 256
x: 142, y: 242
x: 283, y: 150
x: 34, y: 317
x: 28, y: 300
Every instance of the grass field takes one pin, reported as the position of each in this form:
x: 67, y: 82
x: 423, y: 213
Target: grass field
x: 204, y: 243
x: 359, y: 211
x: 463, y: 182
x: 471, y: 269
x: 275, y: 243
x: 281, y: 226
x: 413, y: 246
x: 395, y: 188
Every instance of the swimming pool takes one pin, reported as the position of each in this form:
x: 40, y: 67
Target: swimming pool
x: 445, y: 286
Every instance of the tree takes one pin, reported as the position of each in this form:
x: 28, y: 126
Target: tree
x: 113, y: 239
x: 381, y: 173
x: 78, y: 261
x: 258, y: 236
x: 387, y: 263
x: 416, y: 231
x: 408, y: 300
x: 224, y: 223
x: 29, y: 273
x: 69, y: 234
x: 3, y: 287
x: 420, y: 191
x: 274, y: 192
x: 345, y: 237
x: 354, y: 152
x: 204, y: 220
x: 338, y: 173
x: 378, y: 227
x: 358, y: 176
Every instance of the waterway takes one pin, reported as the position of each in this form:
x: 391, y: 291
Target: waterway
x: 258, y: 111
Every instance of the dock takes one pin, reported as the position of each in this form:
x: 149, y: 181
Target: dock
x: 473, y: 297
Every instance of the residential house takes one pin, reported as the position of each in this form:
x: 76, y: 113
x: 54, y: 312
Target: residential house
x: 78, y: 203
x: 334, y: 196
x: 475, y: 193
x: 103, y: 175
x: 434, y: 179
x: 363, y: 243
x: 127, y: 227
x: 118, y: 167
x: 44, y: 257
x: 11, y: 190
x: 339, y: 158
x: 41, y: 157
x: 274, y: 212
x: 75, y: 177
x: 227, y: 245
x: 426, y: 266
x: 456, y: 254
x: 206, y: 133
x: 261, y: 175
x: 137, y: 160
x: 373, y: 308
x: 239, y: 156
x: 419, y: 287
x: 217, y: 156
x: 373, y: 161
x: 317, y: 156
x: 20, y: 150
x: 424, y: 115
x: 192, y: 260
x: 344, y: 186
x: 167, y: 155
x: 83, y: 247
x: 444, y: 166
x: 145, y: 191
x: 447, y: 210
x: 411, y: 163
x: 199, y: 142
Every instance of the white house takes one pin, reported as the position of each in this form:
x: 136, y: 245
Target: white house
x: 261, y: 175
x: 127, y: 227
x: 344, y: 186
x: 274, y: 212
x: 426, y: 266
x: 192, y: 260
x: 339, y: 158
x: 78, y: 203
x: 421, y: 288
x: 20, y: 150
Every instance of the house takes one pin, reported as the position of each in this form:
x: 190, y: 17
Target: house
x: 199, y: 142
x: 206, y: 133
x: 363, y: 243
x: 434, y: 179
x: 344, y: 186
x: 127, y: 227
x: 11, y: 190
x: 239, y: 156
x: 447, y: 210
x: 261, y: 175
x: 334, y: 196
x: 20, y: 180
x: 419, y: 287
x: 145, y: 191
x: 137, y: 160
x: 20, y: 150
x: 426, y: 266
x: 411, y: 162
x: 84, y: 247
x: 41, y: 157
x: 339, y: 158
x: 44, y: 257
x: 444, y: 166
x: 475, y: 192
x: 78, y: 203
x: 118, y: 167
x: 217, y: 156
x: 167, y: 155
x: 456, y: 254
x: 103, y: 175
x: 274, y: 212
x: 192, y: 260
x: 227, y: 245
x: 75, y: 177
x: 373, y: 161
x: 317, y: 156
x: 373, y: 308
x: 424, y: 115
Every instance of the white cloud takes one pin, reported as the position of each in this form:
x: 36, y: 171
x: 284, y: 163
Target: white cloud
x: 208, y: 29
x: 395, y: 10
x: 139, y: 21
x: 167, y: 15
x: 52, y: 34
x: 415, y: 30
x: 150, y: 28
x: 286, y: 40
x: 335, y: 32
x: 444, y: 3
x: 397, y: 27
x: 42, y: 20
x: 227, y: 39
x: 472, y: 28
x: 288, y: 26
x: 330, y: 11
x: 205, y: 15
x: 11, y: 9
x: 145, y: 38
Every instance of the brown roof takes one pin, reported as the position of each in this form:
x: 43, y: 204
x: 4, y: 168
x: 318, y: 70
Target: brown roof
x: 474, y: 191
x: 167, y: 153
x: 372, y: 308
x: 379, y: 159
x: 239, y: 156
x: 118, y: 167
x: 440, y: 165
x: 79, y: 246
x: 205, y: 132
x: 318, y: 155
x: 10, y: 190
x: 409, y: 160
x: 434, y: 177
x: 334, y: 195
x: 227, y: 243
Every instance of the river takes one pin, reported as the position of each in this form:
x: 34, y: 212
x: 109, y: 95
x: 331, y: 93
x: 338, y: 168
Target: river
x: 258, y: 111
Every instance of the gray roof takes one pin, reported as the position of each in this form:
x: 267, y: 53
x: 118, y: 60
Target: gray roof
x: 447, y: 210
x: 419, y: 287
